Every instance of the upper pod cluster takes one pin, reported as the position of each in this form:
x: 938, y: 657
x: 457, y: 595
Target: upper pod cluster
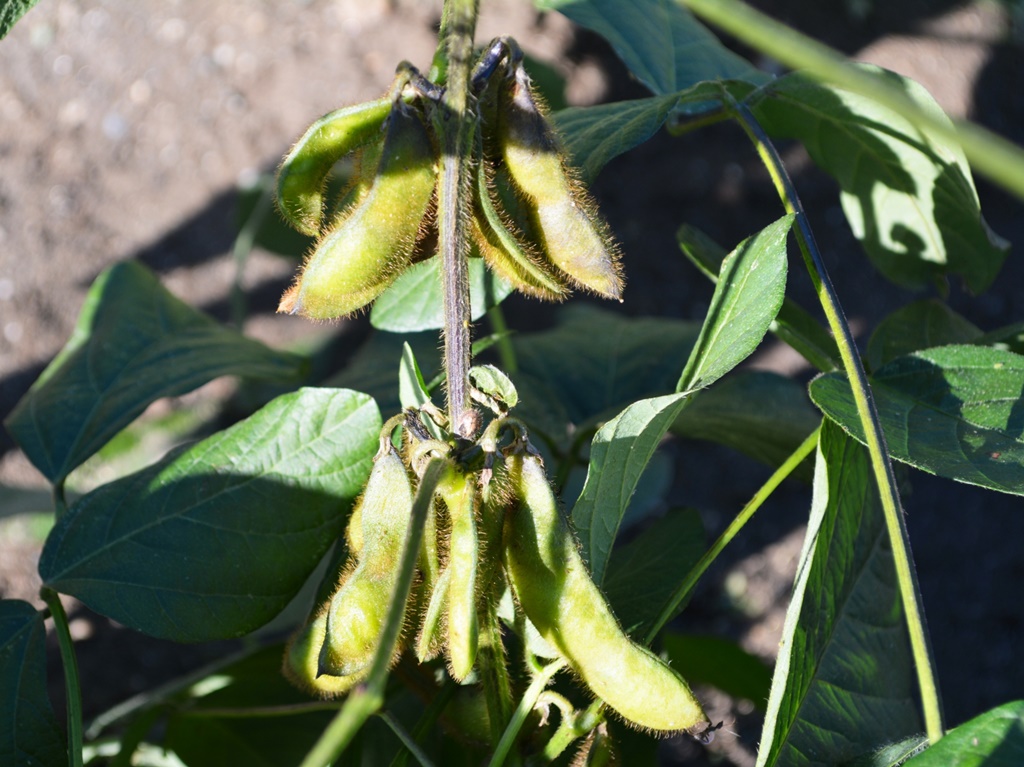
x: 529, y: 217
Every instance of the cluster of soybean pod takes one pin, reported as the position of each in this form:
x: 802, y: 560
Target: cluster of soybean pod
x: 495, y: 523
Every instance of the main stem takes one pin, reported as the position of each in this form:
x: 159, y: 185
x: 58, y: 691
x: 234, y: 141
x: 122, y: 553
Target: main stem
x: 885, y: 479
x: 457, y: 126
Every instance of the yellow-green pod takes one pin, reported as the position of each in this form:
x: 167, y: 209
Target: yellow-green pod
x: 302, y: 663
x: 372, y: 242
x: 359, y: 608
x: 554, y: 589
x: 459, y: 492
x: 571, y: 233
x: 303, y: 172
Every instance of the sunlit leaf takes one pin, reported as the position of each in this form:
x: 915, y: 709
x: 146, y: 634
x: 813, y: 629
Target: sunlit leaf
x: 993, y: 739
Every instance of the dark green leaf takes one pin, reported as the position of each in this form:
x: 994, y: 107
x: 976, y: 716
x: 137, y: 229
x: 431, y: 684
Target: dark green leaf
x: 907, y: 193
x: 993, y: 739
x: 762, y: 415
x: 917, y: 326
x: 748, y: 295
x: 793, y: 324
x: 214, y: 741
x: 659, y: 40
x: 213, y: 541
x: 29, y: 733
x: 11, y: 11
x: 720, y: 663
x: 844, y: 678
x: 644, y: 574
x: 1010, y: 338
x: 415, y: 302
x: 618, y: 456
x: 955, y: 411
x: 134, y: 343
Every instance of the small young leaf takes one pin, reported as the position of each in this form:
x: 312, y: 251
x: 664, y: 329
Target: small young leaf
x: 993, y: 739
x: 748, y: 295
x: 721, y: 663
x: 659, y: 40
x: 133, y: 344
x: 213, y: 541
x: 11, y: 11
x: 29, y: 733
x: 414, y: 301
x: 493, y: 383
x: 412, y: 389
x: 916, y: 326
x: 954, y: 411
x: 844, y: 678
x: 907, y: 193
x: 618, y: 456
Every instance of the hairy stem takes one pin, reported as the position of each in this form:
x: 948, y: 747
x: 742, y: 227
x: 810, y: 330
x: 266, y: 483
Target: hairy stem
x: 71, y: 682
x: 899, y: 538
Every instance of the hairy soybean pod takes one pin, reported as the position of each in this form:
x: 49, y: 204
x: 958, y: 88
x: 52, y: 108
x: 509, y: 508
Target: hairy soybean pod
x: 571, y: 233
x: 302, y: 663
x: 303, y: 173
x: 372, y: 242
x: 358, y: 609
x: 459, y: 492
x: 555, y: 591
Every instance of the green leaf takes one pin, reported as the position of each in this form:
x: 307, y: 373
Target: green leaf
x: 414, y: 302
x: 29, y: 732
x: 907, y: 193
x: 916, y: 326
x: 213, y: 741
x: 213, y: 541
x: 1009, y: 338
x: 763, y: 415
x: 133, y: 344
x: 644, y: 574
x: 720, y: 663
x: 11, y: 11
x: 659, y: 40
x: 749, y: 292
x: 494, y: 384
x: 844, y: 678
x: 619, y: 454
x: 954, y: 411
x: 993, y: 739
x: 892, y: 754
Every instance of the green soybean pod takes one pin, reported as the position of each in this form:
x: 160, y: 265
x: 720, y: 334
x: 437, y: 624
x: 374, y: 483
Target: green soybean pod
x: 304, y: 170
x: 359, y: 608
x: 555, y: 591
x: 572, y: 234
x: 372, y: 242
x: 459, y: 492
x: 302, y: 663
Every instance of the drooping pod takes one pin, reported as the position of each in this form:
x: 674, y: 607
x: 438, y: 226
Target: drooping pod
x: 372, y: 242
x: 359, y: 608
x: 304, y: 170
x: 571, y: 234
x: 554, y: 589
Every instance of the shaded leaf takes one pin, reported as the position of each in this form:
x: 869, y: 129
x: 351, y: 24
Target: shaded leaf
x: 1009, y: 338
x: 955, y: 411
x: 11, y: 11
x: 916, y: 326
x: 414, y: 302
x: 619, y: 454
x: 270, y: 231
x: 993, y: 739
x: 720, y: 663
x: 844, y: 678
x: 763, y: 415
x: 29, y: 732
x: 133, y: 344
x: 748, y: 294
x: 644, y: 573
x: 214, y: 741
x: 907, y: 193
x: 214, y: 540
x: 659, y: 40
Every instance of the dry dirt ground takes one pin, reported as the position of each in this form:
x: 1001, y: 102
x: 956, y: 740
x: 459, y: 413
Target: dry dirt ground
x: 127, y: 127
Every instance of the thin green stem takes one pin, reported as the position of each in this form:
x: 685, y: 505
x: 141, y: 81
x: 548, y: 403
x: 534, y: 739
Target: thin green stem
x: 586, y: 720
x: 526, y: 704
x: 506, y: 352
x: 457, y: 127
x: 730, y: 532
x: 71, y: 682
x: 412, y: 747
x: 990, y: 154
x: 899, y: 538
x: 366, y: 699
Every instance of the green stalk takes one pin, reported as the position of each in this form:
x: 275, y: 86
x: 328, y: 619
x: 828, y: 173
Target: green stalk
x: 71, y: 682
x: 506, y: 352
x: 990, y: 154
x: 885, y: 479
x: 526, y: 704
x: 730, y: 532
x: 367, y: 699
x: 456, y: 127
